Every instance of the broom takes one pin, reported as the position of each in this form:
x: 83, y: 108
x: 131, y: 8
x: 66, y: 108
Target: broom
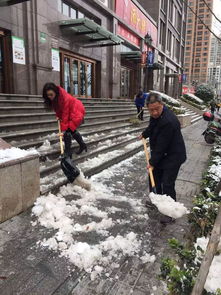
x: 135, y: 120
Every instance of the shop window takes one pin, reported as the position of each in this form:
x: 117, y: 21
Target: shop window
x: 78, y: 75
x: 73, y: 13
x: 65, y: 9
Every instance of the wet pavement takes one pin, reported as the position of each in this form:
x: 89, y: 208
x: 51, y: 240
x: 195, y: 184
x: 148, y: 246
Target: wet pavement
x: 28, y: 269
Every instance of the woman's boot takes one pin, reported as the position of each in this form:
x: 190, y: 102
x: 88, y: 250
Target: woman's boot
x: 67, y: 143
x: 83, y: 147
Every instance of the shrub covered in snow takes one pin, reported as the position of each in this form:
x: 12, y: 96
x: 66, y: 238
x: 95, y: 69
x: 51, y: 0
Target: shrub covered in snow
x: 193, y: 98
x: 181, y: 272
x: 171, y: 103
x: 205, y: 92
x: 194, y: 101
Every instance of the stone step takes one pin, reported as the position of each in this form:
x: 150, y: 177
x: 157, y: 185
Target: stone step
x: 90, y: 116
x: 39, y: 109
x: 25, y: 136
x: 54, y: 165
x: 196, y: 119
x: 60, y: 180
x: 15, y: 126
x: 5, y: 103
x: 54, y: 151
x: 39, y: 98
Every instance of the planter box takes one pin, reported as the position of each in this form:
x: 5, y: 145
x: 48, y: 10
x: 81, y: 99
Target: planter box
x: 185, y: 120
x: 19, y: 184
x: 192, y: 108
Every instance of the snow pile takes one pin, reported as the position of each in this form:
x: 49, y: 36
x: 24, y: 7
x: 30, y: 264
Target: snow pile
x: 64, y: 216
x: 213, y: 281
x: 15, y: 153
x: 167, y: 206
x: 45, y: 146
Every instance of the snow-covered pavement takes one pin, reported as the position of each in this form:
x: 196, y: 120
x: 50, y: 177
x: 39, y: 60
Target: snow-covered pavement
x: 99, y: 242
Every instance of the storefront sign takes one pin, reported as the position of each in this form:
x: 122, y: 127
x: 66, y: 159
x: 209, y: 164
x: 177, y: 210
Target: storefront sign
x: 134, y: 17
x: 55, y: 59
x: 187, y: 89
x: 150, y: 58
x: 132, y: 38
x: 18, y: 49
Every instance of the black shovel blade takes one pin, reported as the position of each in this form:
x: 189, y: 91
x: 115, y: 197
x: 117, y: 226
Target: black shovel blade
x: 69, y: 169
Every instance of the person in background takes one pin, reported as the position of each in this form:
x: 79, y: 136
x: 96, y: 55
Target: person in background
x: 70, y: 111
x: 167, y: 146
x: 212, y: 106
x: 140, y: 102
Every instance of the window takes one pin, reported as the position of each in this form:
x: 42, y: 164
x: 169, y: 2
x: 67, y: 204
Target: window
x: 200, y: 33
x: 189, y: 31
x: 200, y: 27
x: 189, y: 37
x: 198, y: 49
x: 73, y: 13
x: 169, y: 40
x: 171, y: 10
x: 198, y: 43
x: 78, y: 75
x: 197, y: 70
x: 190, y: 20
x: 65, y: 9
x: 199, y: 38
x: 201, y: 10
x: 80, y: 14
x: 162, y: 34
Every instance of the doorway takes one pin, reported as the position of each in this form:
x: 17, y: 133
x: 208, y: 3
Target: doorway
x: 78, y: 75
x: 6, y: 84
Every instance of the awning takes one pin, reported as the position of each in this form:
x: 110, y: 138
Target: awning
x: 92, y: 32
x: 131, y: 55
x: 10, y: 2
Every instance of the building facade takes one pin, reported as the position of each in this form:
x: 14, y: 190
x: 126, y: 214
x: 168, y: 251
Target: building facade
x: 93, y: 48
x: 198, y: 40
x: 171, y: 18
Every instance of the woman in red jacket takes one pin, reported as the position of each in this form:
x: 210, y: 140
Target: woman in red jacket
x: 71, y: 113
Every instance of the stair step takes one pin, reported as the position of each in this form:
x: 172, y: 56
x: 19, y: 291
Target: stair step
x: 90, y: 116
x: 54, y: 150
x: 6, y: 127
x: 36, y: 133
x: 55, y: 164
x: 126, y: 151
x: 196, y: 119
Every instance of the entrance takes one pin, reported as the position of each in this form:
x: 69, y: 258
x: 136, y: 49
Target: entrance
x: 5, y: 63
x: 78, y: 75
x: 125, y: 82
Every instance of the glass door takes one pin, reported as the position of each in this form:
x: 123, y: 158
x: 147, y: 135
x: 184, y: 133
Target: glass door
x: 125, y: 82
x: 78, y: 76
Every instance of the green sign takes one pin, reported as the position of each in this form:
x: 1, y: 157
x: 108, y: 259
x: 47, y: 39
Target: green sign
x: 43, y: 37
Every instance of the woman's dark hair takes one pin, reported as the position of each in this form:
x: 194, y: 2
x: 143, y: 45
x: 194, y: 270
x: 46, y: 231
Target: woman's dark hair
x: 50, y: 104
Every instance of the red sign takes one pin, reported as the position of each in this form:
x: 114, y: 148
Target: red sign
x: 132, y: 38
x: 134, y: 17
x: 187, y: 89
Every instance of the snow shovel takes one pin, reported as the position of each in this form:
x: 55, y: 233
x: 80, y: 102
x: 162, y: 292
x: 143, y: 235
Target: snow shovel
x: 150, y: 170
x: 67, y: 165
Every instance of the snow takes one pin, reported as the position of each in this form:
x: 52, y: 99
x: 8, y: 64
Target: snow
x: 167, y: 206
x: 15, y: 153
x: 62, y: 215
x: 196, y: 98
x: 45, y: 146
x: 168, y: 99
x: 213, y: 281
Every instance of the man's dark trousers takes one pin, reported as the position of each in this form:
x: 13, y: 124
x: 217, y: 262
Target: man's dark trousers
x: 165, y: 181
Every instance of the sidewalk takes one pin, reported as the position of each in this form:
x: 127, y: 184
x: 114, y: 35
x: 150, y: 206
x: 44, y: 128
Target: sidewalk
x: 28, y: 269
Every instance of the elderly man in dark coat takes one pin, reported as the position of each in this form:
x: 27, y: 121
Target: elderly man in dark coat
x: 167, y: 146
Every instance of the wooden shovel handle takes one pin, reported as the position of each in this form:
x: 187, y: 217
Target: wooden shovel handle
x: 152, y: 181
x: 60, y: 137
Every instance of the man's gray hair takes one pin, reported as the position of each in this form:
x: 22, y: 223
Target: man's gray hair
x: 153, y: 97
